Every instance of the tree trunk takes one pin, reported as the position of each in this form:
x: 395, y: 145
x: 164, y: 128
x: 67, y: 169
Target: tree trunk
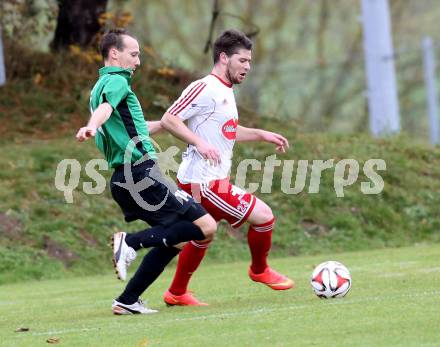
x: 77, y: 22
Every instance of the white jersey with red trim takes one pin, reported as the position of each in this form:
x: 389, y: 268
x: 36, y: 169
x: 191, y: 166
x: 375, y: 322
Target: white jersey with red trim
x: 209, y: 107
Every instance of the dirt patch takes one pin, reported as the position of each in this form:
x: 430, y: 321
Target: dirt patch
x: 10, y: 227
x: 55, y: 250
x: 88, y: 238
x: 312, y: 228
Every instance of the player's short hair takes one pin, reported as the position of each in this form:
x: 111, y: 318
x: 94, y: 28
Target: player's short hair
x: 113, y: 38
x: 229, y: 42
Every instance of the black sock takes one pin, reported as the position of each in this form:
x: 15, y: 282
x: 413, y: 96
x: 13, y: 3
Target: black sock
x: 151, y: 267
x: 160, y: 236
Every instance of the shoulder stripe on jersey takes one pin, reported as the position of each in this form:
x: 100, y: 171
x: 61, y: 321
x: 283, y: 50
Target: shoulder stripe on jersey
x: 183, y: 97
x: 189, y: 97
x: 192, y: 97
x: 186, y: 100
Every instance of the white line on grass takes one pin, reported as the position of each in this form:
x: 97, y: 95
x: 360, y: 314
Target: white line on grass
x: 345, y: 301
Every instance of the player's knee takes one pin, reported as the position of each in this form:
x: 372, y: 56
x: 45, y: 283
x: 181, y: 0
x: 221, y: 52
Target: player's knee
x: 208, y: 227
x: 268, y: 214
x: 210, y: 230
x: 265, y: 215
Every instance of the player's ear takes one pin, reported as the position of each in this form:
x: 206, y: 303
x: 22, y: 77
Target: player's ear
x: 224, y: 58
x: 113, y: 53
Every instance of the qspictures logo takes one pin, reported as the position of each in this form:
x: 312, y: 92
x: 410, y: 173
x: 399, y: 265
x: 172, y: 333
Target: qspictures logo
x: 297, y: 176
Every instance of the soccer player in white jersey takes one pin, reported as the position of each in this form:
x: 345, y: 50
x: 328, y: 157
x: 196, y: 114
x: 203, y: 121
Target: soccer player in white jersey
x: 208, y: 106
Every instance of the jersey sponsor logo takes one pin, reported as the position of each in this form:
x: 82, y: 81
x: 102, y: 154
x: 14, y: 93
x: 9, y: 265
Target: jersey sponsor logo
x: 229, y: 129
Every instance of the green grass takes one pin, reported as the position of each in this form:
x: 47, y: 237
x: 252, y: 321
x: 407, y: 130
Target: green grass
x: 393, y: 302
x: 37, y: 223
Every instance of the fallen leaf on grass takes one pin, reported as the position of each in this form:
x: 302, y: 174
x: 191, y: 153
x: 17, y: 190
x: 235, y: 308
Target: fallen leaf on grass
x: 53, y: 340
x: 21, y: 329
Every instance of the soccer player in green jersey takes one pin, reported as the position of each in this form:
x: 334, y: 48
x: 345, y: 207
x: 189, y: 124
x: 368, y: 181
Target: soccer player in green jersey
x: 137, y: 185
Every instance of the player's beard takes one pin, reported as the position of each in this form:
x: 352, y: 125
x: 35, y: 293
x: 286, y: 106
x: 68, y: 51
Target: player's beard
x: 230, y: 75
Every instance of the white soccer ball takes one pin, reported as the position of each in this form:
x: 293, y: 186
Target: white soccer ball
x: 331, y: 279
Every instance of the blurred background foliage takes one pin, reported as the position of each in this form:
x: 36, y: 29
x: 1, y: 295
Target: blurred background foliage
x: 308, y: 62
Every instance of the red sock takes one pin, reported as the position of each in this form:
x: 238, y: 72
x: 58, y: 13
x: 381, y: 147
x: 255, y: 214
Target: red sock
x: 189, y: 260
x: 260, y: 241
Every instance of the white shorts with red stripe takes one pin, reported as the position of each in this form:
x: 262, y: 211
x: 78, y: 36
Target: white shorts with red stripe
x: 223, y: 200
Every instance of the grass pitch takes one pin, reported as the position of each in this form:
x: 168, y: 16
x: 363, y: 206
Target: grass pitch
x: 394, y: 301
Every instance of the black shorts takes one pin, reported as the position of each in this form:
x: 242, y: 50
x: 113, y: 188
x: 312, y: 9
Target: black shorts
x: 142, y: 192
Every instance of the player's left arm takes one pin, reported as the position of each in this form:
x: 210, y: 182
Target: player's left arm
x: 251, y: 134
x: 154, y: 127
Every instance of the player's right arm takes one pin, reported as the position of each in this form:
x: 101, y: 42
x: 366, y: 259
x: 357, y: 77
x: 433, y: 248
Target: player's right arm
x: 98, y: 118
x: 114, y: 91
x: 179, y: 129
x: 192, y: 102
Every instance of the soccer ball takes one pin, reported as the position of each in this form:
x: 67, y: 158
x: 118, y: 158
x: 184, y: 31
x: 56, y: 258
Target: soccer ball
x: 331, y: 280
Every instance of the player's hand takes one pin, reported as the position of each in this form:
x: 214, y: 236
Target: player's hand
x: 208, y: 152
x: 280, y: 141
x: 85, y: 133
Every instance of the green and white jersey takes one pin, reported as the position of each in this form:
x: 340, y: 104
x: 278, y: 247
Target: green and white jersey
x: 126, y: 128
